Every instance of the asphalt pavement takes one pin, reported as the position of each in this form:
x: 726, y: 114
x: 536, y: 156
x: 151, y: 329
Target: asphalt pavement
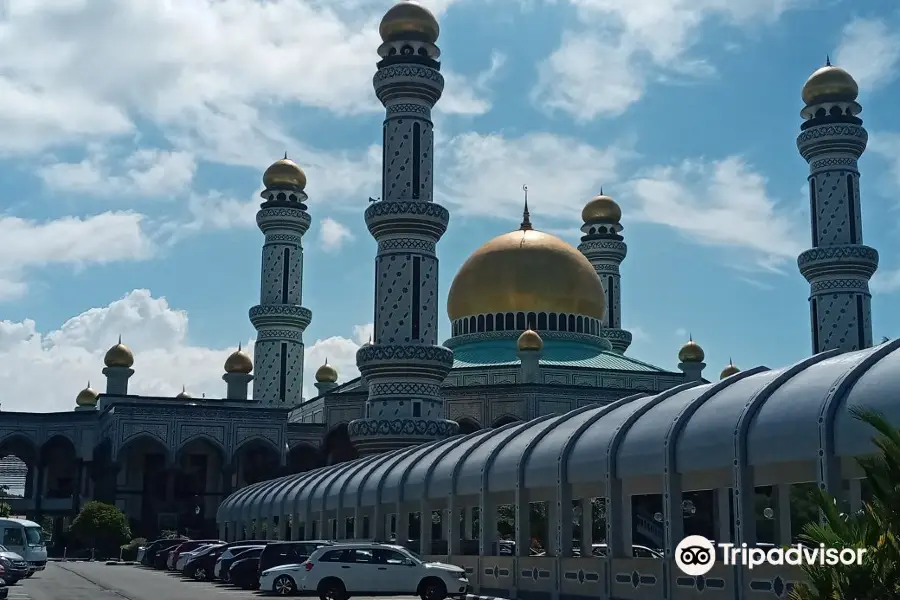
x: 99, y: 581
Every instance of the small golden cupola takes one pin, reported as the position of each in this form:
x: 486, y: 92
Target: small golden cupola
x: 326, y: 373
x: 119, y: 355
x: 691, y: 352
x: 239, y: 362
x: 183, y: 394
x: 409, y: 21
x: 529, y: 341
x: 284, y: 173
x: 729, y: 370
x: 87, y: 398
x: 601, y: 209
x: 830, y: 84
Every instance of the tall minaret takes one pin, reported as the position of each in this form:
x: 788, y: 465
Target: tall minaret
x: 839, y: 266
x: 603, y: 245
x: 279, y: 318
x: 404, y: 367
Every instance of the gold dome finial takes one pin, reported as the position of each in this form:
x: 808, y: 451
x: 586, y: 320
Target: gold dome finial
x: 409, y: 21
x: 239, y: 362
x: 729, y: 370
x: 691, y: 352
x: 529, y: 341
x: 119, y: 355
x: 183, y: 394
x: 830, y: 84
x: 284, y: 173
x: 326, y: 373
x: 87, y: 397
x: 603, y: 209
x: 526, y: 216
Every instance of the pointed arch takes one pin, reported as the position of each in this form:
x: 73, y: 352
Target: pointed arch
x: 201, y: 437
x: 468, y: 425
x: 136, y: 439
x: 504, y: 419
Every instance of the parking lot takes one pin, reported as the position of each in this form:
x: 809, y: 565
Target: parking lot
x: 98, y: 581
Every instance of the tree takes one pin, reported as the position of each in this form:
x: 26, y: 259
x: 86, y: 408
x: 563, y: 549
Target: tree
x: 876, y: 528
x: 5, y: 508
x: 101, y: 527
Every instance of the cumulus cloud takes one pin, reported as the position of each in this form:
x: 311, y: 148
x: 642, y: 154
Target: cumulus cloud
x: 603, y: 65
x: 333, y: 235
x: 870, y: 51
x: 27, y: 245
x: 165, y: 358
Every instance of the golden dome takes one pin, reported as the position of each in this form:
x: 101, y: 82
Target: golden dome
x: 601, y: 208
x: 284, y: 173
x: 409, y: 21
x: 119, y: 355
x: 691, y: 352
x: 526, y: 271
x: 729, y: 370
x: 529, y: 340
x: 87, y: 397
x: 830, y: 83
x: 238, y: 362
x: 183, y: 394
x: 326, y: 373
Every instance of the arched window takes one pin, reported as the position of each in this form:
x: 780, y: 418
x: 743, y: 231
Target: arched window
x: 571, y: 322
x: 473, y: 324
x: 480, y: 322
x: 563, y: 323
x: 520, y: 321
x: 579, y: 324
x: 542, y: 322
x: 465, y: 326
x: 510, y: 322
x: 552, y: 323
x: 489, y: 322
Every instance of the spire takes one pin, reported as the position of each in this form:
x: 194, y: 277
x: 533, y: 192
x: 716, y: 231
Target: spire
x: 601, y: 190
x: 120, y: 338
x: 239, y: 346
x: 526, y: 216
x: 285, y: 155
x: 827, y: 60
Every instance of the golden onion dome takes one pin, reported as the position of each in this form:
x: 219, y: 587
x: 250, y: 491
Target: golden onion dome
x: 529, y: 341
x: 729, y: 371
x: 691, y: 352
x: 284, y: 173
x: 526, y: 271
x: 119, y: 355
x: 601, y: 208
x: 326, y: 373
x: 87, y: 397
x: 830, y: 84
x: 183, y: 394
x: 409, y: 21
x: 239, y: 362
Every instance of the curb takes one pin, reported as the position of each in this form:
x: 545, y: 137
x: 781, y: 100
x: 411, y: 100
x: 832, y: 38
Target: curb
x: 474, y: 597
x: 124, y: 562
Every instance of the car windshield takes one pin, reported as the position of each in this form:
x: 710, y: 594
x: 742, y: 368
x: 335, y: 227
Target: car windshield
x: 414, y: 555
x: 3, y: 549
x: 34, y: 536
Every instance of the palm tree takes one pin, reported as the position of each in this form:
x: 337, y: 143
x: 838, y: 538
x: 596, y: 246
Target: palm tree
x: 876, y: 528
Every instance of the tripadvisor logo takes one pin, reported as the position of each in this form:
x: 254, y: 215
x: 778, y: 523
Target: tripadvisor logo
x: 695, y: 555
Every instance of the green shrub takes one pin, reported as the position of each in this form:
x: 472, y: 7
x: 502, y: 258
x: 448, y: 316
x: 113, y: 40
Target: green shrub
x: 102, y: 527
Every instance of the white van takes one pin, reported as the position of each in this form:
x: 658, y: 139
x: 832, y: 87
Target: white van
x: 26, y: 539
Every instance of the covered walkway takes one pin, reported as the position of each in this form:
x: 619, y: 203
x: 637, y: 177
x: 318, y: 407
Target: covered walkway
x: 690, y: 460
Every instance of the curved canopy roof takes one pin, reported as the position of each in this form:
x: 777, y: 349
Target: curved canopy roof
x: 758, y: 417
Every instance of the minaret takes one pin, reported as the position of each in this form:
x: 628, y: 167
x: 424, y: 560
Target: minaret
x: 118, y: 361
x: 404, y: 367
x: 690, y: 360
x: 326, y: 378
x: 237, y: 377
x: 838, y: 266
x: 603, y: 245
x: 529, y: 349
x: 279, y: 318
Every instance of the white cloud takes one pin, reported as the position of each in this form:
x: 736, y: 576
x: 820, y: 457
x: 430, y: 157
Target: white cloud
x: 193, y: 68
x: 885, y: 281
x: 165, y: 359
x: 146, y: 172
x: 604, y: 65
x: 100, y: 239
x: 333, y: 235
x: 723, y: 203
x: 870, y: 51
x: 484, y: 175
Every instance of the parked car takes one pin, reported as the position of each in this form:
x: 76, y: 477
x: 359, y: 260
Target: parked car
x: 244, y: 573
x: 160, y: 560
x: 199, y: 566
x: 366, y: 569
x: 228, y: 556
x: 150, y: 553
x: 185, y: 557
x: 187, y: 546
x: 15, y: 567
x: 285, y: 553
x: 637, y: 551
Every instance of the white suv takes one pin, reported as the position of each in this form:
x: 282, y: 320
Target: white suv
x: 366, y: 569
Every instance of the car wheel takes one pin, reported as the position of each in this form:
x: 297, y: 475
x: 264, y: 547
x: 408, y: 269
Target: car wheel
x: 284, y: 586
x: 30, y: 573
x: 225, y: 577
x: 332, y: 590
x: 200, y: 574
x: 434, y: 590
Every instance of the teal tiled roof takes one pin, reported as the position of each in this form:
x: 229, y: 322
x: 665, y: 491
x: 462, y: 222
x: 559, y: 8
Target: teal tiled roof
x: 486, y: 356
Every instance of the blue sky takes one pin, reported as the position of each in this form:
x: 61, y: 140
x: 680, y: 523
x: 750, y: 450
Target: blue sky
x: 133, y: 148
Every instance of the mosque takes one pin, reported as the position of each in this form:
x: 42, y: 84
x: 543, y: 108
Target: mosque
x: 533, y: 400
